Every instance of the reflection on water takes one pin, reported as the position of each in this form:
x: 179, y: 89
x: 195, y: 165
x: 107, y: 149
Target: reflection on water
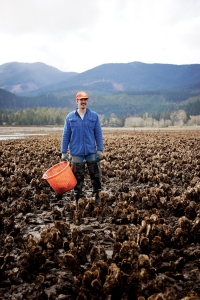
x: 5, y: 137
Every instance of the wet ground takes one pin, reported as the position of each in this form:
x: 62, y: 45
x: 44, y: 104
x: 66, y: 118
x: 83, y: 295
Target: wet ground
x: 143, y: 240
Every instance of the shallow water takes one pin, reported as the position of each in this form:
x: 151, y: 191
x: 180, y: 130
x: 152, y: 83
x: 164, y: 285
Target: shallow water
x: 5, y: 137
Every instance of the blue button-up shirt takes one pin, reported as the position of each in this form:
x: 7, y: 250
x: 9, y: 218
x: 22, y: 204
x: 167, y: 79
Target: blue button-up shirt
x: 82, y: 137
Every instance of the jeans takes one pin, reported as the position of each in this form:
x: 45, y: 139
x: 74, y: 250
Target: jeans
x: 83, y: 158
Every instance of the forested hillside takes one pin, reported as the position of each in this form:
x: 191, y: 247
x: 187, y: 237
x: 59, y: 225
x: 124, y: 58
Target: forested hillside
x: 120, y: 103
x: 11, y: 101
x: 122, y: 90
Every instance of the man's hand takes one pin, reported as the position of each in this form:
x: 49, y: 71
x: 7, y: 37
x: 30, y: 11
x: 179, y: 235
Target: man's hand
x: 99, y: 155
x: 64, y: 157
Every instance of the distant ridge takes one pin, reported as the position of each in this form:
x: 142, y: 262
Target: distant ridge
x: 35, y: 78
x: 22, y: 77
x: 120, y: 88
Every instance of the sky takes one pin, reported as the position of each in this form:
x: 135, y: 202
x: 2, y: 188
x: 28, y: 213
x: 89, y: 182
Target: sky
x: 78, y: 35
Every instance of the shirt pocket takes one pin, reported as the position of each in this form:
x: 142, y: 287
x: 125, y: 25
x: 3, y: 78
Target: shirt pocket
x: 73, y: 123
x: 91, y: 123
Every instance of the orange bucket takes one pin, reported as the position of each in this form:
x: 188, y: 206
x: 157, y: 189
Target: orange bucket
x: 60, y: 177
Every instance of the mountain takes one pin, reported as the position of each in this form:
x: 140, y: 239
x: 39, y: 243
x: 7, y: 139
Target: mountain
x: 38, y: 78
x: 130, y: 88
x: 20, y: 77
x: 7, y: 99
x: 136, y: 76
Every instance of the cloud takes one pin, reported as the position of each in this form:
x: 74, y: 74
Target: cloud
x: 52, y: 17
x: 81, y: 34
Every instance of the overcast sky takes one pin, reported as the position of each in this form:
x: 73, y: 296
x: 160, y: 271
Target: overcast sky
x: 78, y: 35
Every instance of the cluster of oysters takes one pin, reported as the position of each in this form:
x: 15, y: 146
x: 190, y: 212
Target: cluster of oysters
x: 141, y: 243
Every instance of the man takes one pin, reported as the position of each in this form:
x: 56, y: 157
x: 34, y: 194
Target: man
x: 82, y: 135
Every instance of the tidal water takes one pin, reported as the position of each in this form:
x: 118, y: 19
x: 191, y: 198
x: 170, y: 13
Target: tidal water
x: 16, y: 136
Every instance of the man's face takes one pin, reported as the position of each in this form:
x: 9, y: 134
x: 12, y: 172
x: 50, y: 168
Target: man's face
x: 82, y: 103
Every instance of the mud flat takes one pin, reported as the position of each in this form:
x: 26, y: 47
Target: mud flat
x: 141, y: 243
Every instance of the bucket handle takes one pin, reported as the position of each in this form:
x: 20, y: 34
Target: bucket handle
x: 45, y: 176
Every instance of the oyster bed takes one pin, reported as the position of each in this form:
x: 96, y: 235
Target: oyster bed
x: 142, y: 242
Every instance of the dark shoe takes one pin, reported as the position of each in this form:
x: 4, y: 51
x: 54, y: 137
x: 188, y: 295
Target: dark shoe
x: 97, y: 198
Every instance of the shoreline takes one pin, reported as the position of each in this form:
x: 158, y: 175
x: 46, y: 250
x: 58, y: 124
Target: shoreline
x: 39, y: 129
x: 22, y: 132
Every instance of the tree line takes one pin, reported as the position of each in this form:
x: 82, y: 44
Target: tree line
x: 43, y: 116
x: 33, y: 116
